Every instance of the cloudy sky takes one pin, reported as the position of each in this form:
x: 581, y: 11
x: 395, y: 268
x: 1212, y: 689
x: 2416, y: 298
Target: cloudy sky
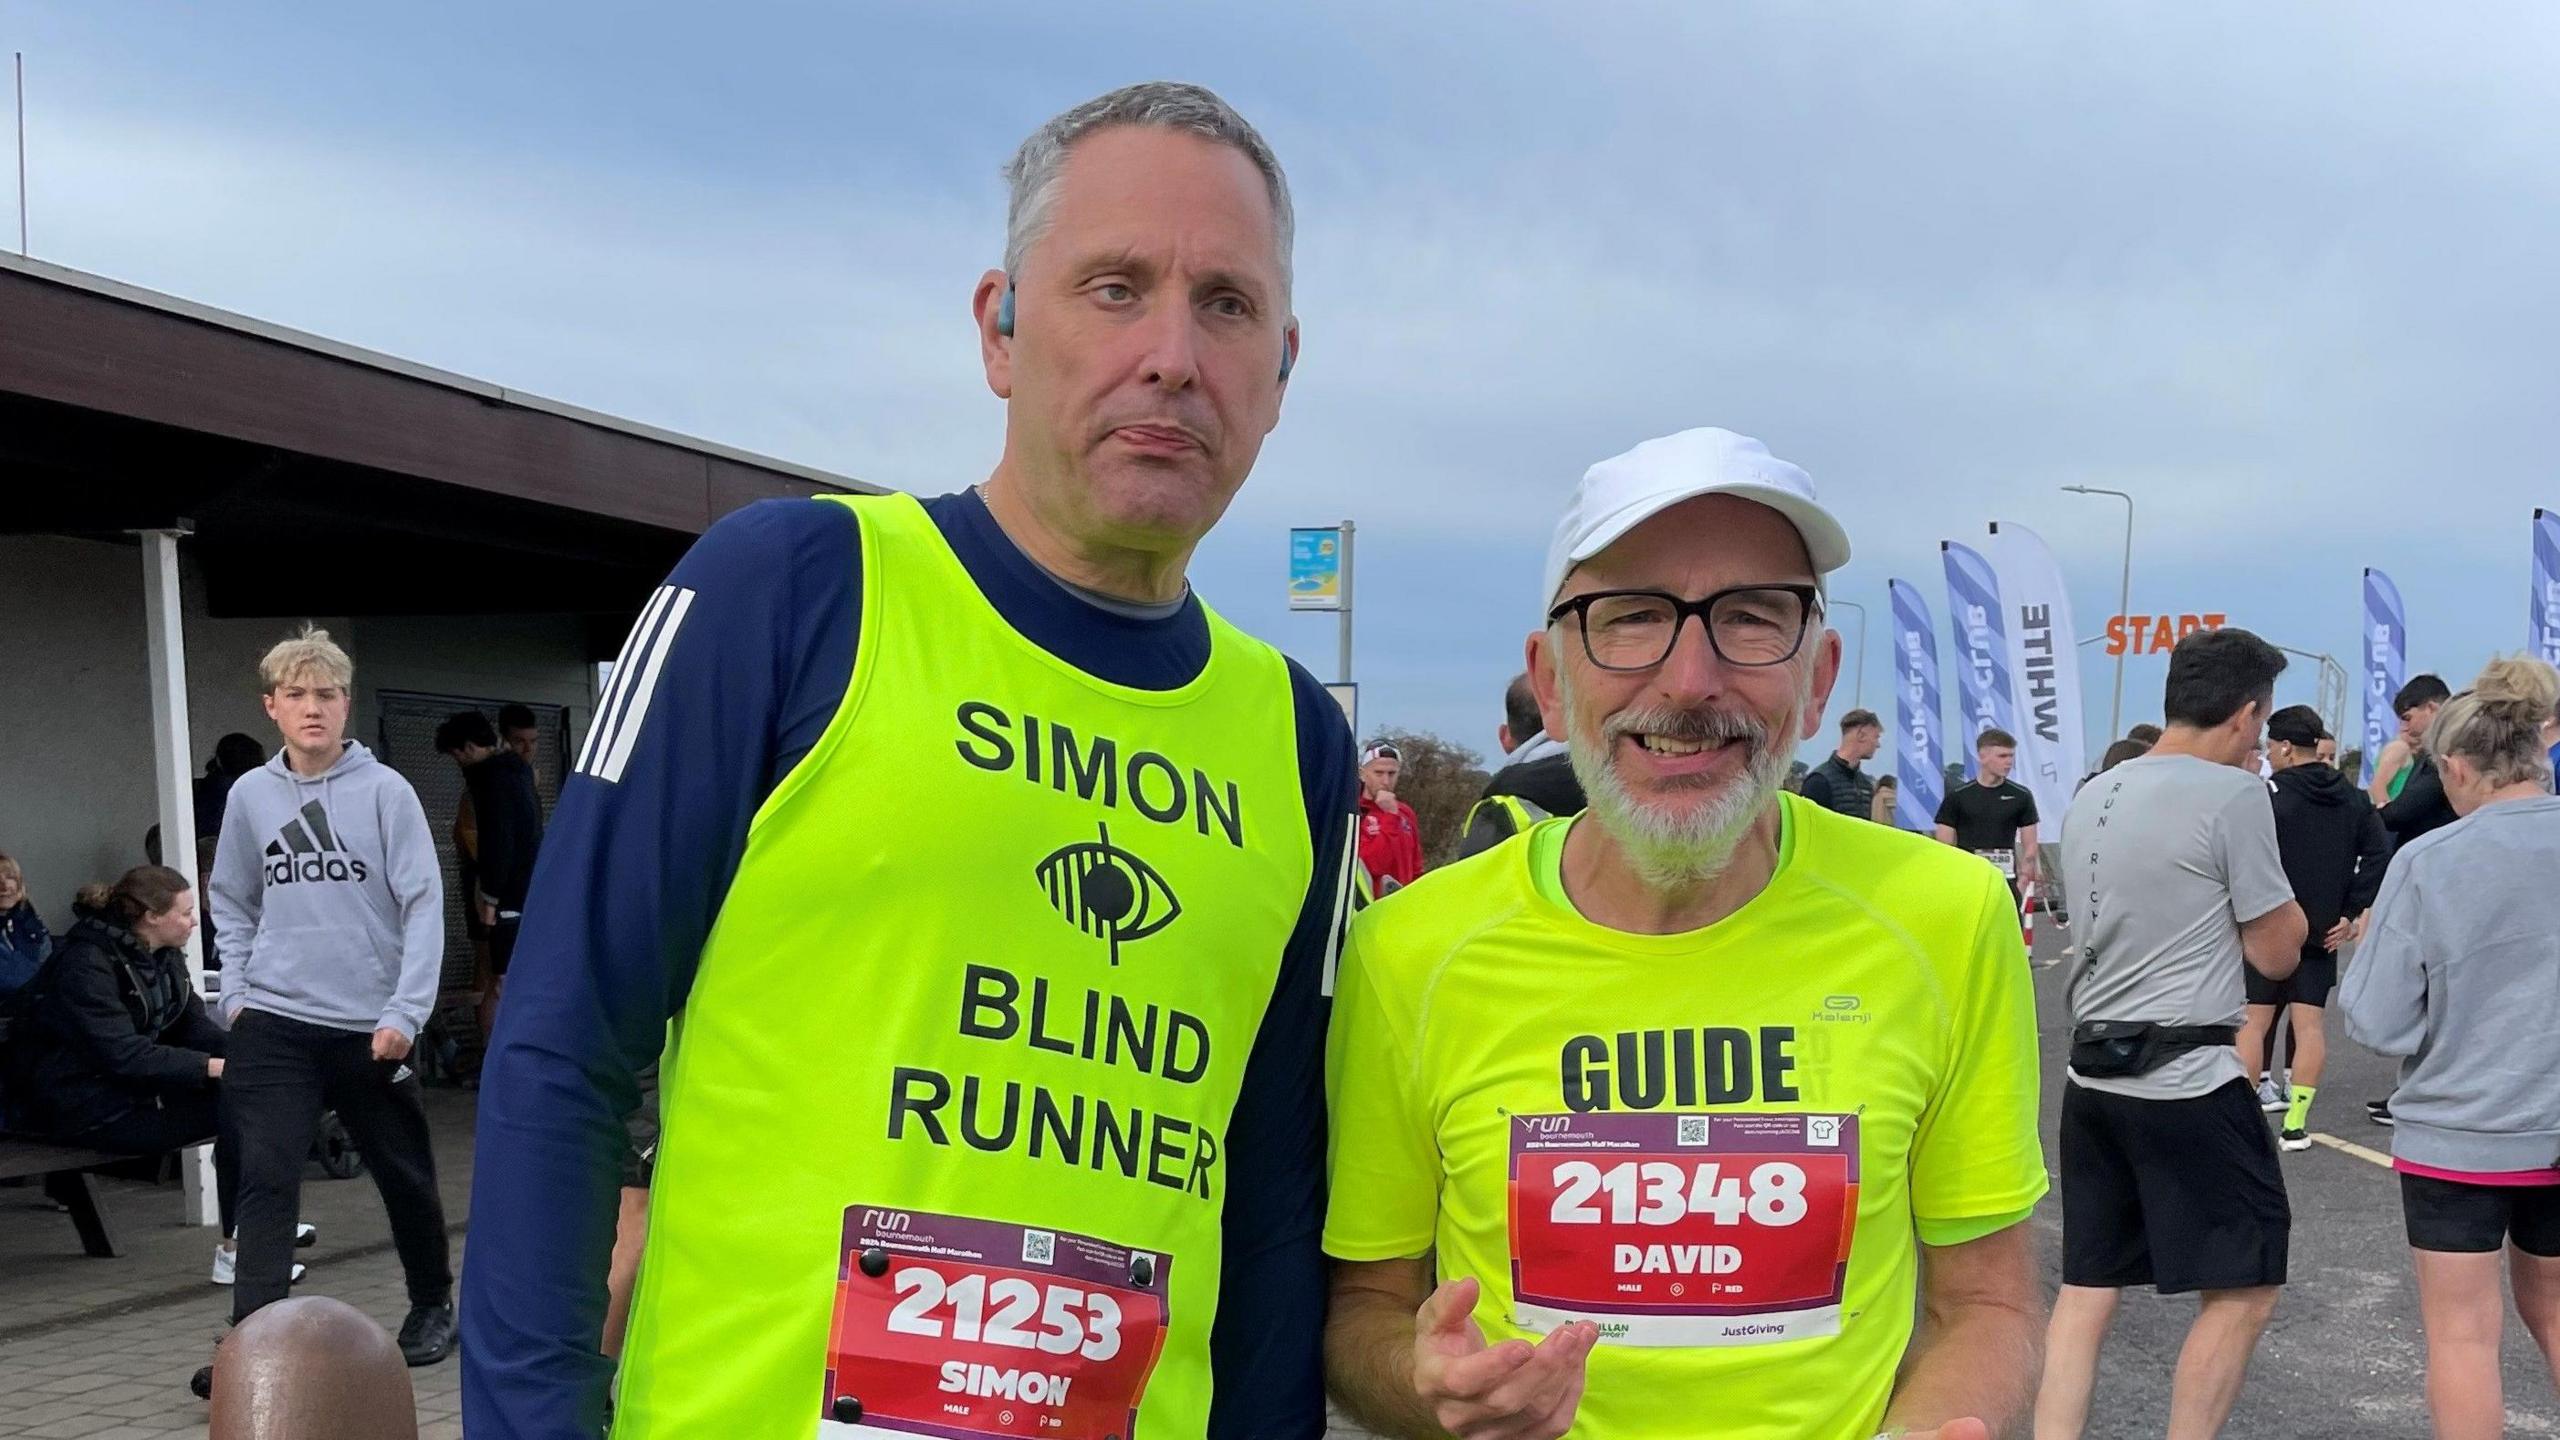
x: 2284, y: 271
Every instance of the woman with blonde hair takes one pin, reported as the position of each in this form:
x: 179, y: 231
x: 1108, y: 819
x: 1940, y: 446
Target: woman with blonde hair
x: 2460, y: 974
x: 24, y: 942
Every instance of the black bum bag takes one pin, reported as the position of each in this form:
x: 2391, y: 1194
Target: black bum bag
x: 2115, y: 1049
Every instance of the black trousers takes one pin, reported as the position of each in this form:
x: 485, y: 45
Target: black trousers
x: 279, y: 1074
x: 502, y: 945
x: 177, y: 1121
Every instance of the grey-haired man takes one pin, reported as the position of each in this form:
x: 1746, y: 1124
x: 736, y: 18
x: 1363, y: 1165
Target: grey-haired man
x: 1010, y: 1122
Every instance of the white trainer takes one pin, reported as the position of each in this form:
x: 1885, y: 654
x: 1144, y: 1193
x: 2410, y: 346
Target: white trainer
x: 226, y: 1259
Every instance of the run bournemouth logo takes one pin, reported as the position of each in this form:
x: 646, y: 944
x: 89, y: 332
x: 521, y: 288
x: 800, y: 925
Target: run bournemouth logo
x: 1106, y: 892
x: 307, y: 849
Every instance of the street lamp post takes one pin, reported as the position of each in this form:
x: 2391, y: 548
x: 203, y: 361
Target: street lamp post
x: 1857, y: 685
x: 2333, y: 681
x: 2124, y: 600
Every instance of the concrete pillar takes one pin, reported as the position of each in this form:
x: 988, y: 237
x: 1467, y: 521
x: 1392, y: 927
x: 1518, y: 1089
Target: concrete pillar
x: 172, y: 768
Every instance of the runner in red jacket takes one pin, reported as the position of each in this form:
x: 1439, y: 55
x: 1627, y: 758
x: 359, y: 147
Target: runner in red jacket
x: 1390, y: 833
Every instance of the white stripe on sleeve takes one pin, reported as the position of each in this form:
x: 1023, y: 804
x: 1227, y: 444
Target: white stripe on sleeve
x: 625, y: 665
x: 626, y: 734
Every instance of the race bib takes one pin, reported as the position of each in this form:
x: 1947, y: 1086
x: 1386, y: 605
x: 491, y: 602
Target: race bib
x: 2006, y: 860
x: 1685, y: 1230
x: 960, y: 1328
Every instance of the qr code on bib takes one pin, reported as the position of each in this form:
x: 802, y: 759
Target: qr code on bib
x: 1693, y: 1129
x: 1039, y: 1247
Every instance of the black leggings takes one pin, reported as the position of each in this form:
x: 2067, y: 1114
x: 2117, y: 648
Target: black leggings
x: 179, y: 1120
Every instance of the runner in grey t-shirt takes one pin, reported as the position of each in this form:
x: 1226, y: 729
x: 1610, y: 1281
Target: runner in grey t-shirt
x: 2169, y: 1178
x: 2164, y: 858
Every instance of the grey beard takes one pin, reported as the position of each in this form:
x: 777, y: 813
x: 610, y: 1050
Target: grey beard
x: 1670, y: 851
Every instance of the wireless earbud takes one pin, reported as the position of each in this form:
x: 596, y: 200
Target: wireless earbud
x: 1004, y: 326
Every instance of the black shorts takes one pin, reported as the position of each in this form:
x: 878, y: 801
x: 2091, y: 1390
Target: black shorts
x: 2309, y: 984
x: 2177, y: 1194
x: 2455, y: 1218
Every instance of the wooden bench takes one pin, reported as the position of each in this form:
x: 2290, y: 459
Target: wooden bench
x: 65, y: 1169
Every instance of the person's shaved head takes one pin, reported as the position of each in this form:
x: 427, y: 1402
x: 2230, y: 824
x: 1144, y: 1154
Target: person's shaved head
x: 311, y: 1369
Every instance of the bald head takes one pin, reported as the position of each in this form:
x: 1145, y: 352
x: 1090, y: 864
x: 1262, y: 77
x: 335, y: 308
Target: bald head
x: 311, y: 1369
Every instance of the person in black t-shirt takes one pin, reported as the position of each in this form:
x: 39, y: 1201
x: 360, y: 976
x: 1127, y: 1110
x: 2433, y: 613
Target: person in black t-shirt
x: 506, y: 831
x: 1992, y: 815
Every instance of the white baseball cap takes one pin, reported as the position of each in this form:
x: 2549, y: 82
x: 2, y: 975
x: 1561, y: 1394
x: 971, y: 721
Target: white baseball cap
x: 1624, y: 491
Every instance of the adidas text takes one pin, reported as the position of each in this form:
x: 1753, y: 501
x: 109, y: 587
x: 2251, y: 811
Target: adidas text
x: 286, y: 869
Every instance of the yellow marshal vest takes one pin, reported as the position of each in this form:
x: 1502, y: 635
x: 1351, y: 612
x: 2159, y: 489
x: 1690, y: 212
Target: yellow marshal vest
x: 944, y: 1119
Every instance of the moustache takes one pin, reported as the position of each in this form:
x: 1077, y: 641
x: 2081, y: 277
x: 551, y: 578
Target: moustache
x: 1696, y: 725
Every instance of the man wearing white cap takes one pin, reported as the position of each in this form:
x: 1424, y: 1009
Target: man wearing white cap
x: 1691, y: 1099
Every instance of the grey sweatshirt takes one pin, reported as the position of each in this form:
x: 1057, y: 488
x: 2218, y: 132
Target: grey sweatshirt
x: 2460, y: 972
x: 328, y: 899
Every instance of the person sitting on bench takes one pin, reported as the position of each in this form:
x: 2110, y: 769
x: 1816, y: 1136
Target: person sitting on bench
x: 24, y: 941
x: 114, y: 1050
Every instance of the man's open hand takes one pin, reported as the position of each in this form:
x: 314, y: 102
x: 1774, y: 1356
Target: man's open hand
x: 1511, y: 1391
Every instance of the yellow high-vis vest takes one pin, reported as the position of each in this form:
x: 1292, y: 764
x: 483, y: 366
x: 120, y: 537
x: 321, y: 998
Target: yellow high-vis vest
x: 944, y: 1146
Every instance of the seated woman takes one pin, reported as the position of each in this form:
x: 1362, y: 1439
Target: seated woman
x: 114, y: 1050
x: 23, y: 940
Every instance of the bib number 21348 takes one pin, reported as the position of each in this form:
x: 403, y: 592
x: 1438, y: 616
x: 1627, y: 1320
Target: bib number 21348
x: 1683, y: 1229
x: 960, y: 1329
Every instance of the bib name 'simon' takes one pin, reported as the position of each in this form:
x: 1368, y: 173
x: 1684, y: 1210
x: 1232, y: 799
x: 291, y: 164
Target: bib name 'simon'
x: 1046, y: 752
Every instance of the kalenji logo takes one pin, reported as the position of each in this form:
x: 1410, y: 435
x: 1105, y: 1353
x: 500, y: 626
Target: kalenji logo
x: 306, y: 849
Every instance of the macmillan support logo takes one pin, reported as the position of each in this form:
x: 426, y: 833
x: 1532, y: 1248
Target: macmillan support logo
x: 306, y: 849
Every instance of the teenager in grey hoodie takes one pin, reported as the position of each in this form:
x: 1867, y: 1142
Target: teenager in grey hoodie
x: 2460, y: 974
x: 336, y: 893
x: 329, y: 908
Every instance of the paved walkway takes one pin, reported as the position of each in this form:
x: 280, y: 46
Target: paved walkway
x: 102, y: 1349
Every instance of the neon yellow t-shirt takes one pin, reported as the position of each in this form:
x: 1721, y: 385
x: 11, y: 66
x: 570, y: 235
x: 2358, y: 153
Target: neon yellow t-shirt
x: 1723, y: 1146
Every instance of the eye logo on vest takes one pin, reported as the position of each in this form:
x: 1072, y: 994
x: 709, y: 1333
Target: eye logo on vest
x: 305, y: 848
x: 1106, y: 892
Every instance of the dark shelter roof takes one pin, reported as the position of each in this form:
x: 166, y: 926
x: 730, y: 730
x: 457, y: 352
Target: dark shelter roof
x: 323, y: 479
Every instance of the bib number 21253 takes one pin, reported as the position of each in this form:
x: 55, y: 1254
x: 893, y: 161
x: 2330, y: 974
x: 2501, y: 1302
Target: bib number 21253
x: 959, y: 1328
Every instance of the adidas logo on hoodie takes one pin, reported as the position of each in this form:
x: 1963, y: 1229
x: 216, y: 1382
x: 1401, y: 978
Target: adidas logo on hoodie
x: 305, y: 849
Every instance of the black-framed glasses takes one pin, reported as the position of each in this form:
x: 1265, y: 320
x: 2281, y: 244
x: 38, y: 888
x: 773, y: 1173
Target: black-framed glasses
x: 1746, y: 625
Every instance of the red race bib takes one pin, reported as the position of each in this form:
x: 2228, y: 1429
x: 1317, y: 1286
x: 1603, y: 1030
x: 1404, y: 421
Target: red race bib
x: 961, y: 1328
x: 1683, y: 1229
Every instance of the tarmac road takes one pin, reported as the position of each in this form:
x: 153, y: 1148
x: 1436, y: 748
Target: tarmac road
x: 2344, y: 1354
